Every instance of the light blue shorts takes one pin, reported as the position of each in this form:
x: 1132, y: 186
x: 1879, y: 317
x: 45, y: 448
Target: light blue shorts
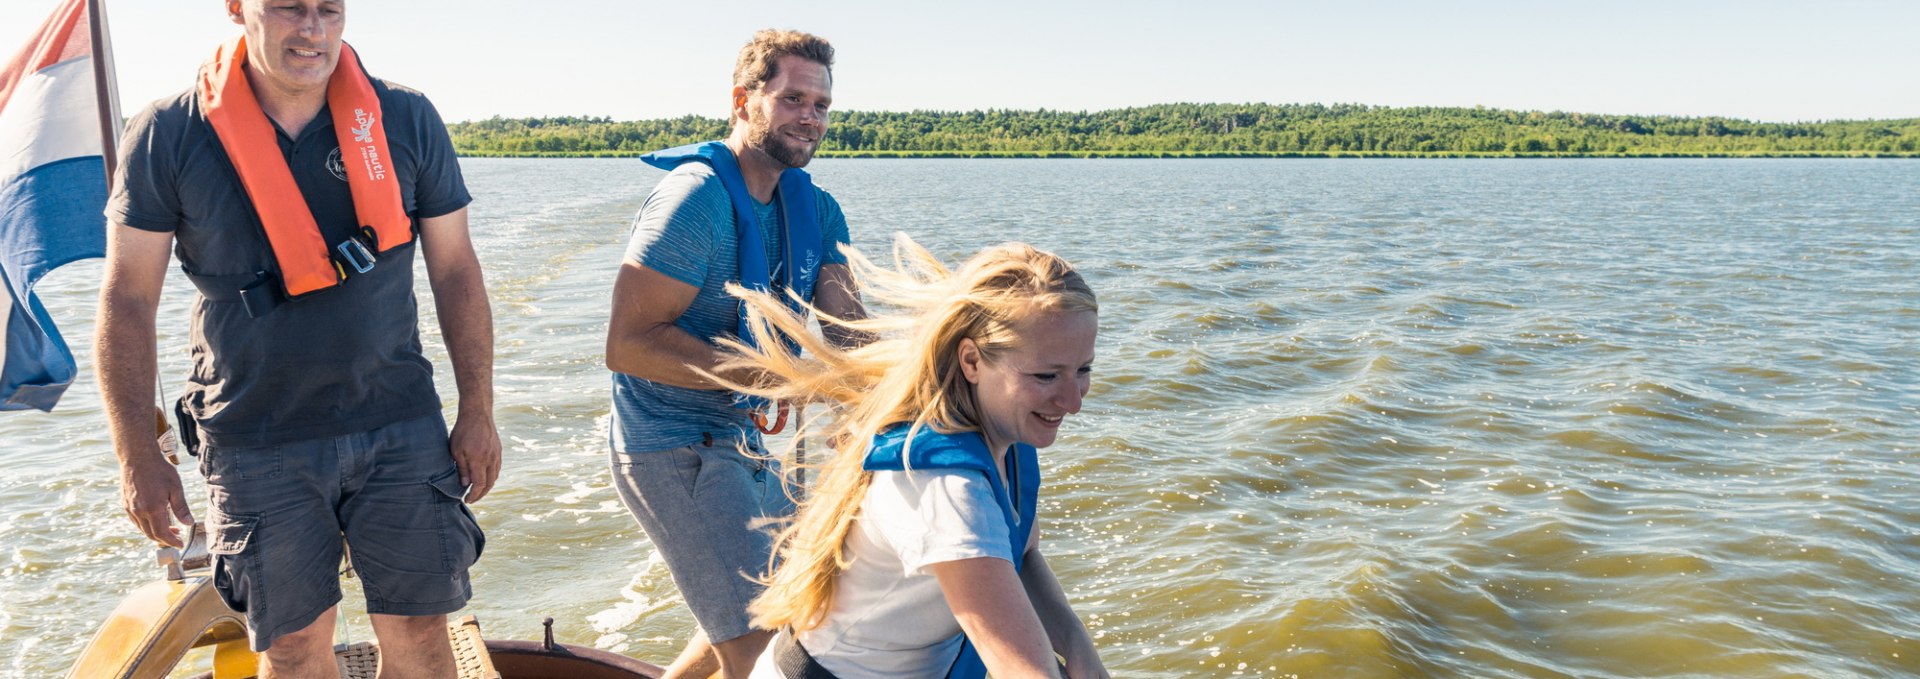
x: 703, y: 506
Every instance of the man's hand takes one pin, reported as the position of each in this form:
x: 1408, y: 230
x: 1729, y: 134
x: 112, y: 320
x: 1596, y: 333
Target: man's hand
x: 466, y: 321
x: 150, y: 493
x: 123, y: 352
x: 476, y: 451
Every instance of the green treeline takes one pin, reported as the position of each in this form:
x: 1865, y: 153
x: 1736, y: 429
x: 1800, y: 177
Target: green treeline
x: 1225, y: 130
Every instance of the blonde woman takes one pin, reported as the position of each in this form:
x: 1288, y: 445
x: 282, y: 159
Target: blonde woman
x: 916, y: 554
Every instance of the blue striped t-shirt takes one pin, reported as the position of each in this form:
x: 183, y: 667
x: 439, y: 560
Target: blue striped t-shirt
x: 685, y: 230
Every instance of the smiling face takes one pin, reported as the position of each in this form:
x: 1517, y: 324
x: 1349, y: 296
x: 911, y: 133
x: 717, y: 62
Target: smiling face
x: 292, y: 45
x: 787, y: 116
x: 1024, y: 393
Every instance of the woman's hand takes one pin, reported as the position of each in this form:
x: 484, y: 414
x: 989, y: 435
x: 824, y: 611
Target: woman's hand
x: 1083, y: 662
x: 1065, y: 632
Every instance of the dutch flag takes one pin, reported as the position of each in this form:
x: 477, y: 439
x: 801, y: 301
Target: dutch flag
x: 53, y: 190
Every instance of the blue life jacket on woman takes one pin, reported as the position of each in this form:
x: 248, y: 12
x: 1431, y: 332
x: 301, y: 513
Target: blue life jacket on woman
x: 799, y: 221
x: 968, y: 450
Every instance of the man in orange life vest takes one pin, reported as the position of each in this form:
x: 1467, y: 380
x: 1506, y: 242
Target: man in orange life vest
x: 292, y: 185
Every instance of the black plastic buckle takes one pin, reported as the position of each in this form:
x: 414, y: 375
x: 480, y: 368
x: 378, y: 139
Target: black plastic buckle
x: 261, y: 296
x: 355, y: 254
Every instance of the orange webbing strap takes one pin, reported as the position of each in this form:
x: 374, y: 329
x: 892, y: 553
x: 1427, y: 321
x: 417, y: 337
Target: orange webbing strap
x: 361, y: 128
x: 248, y: 138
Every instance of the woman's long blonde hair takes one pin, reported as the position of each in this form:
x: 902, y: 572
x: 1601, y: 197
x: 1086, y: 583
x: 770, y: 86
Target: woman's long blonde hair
x: 910, y: 374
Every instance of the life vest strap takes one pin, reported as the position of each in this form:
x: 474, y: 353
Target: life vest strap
x: 259, y: 292
x: 262, y: 291
x: 304, y: 262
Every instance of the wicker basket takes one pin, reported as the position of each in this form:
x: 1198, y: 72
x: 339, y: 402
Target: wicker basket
x: 362, y: 660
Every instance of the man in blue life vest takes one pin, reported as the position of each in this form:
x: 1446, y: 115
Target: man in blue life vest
x: 292, y: 186
x: 738, y: 211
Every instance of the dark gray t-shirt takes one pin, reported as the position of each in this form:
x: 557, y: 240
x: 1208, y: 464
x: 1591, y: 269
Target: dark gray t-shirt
x: 343, y: 360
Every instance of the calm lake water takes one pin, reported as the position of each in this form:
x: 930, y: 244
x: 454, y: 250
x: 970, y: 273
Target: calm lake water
x: 1351, y: 418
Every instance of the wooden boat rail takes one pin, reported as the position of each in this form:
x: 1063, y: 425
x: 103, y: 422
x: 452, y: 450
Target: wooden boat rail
x: 154, y: 627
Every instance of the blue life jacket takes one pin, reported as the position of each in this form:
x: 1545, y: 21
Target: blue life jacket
x: 799, y: 221
x: 967, y: 450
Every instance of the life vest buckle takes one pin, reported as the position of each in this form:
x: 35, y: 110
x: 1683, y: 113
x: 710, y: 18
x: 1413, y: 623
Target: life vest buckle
x: 259, y: 298
x: 355, y: 255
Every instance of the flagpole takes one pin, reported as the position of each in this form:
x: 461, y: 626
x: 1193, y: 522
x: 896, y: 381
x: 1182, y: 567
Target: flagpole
x: 103, y: 94
x: 106, y: 101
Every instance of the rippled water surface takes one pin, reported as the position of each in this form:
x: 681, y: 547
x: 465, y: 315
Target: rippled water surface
x: 1353, y: 418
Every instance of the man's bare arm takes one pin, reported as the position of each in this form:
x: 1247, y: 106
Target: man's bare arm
x: 466, y: 323
x: 124, y: 364
x: 642, y: 339
x: 836, y: 295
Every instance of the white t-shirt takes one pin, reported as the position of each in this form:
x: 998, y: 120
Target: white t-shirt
x: 889, y: 618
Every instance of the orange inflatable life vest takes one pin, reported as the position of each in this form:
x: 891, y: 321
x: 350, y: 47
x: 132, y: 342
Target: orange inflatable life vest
x: 307, y: 263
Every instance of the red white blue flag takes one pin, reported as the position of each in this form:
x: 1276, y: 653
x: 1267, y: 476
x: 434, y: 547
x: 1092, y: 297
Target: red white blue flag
x: 53, y: 190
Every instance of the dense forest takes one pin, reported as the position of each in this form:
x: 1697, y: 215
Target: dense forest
x: 1226, y: 130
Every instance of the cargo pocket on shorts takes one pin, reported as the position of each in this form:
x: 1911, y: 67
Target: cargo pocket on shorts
x: 234, y: 570
x: 460, y: 532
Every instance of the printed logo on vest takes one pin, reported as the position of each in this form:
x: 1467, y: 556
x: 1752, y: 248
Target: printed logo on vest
x: 807, y: 267
x: 369, y: 155
x: 363, y: 126
x: 376, y: 168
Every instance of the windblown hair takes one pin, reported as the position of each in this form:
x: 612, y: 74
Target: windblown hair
x: 911, y: 374
x: 760, y: 59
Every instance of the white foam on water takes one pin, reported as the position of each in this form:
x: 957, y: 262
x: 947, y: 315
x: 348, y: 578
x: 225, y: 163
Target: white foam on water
x: 634, y: 604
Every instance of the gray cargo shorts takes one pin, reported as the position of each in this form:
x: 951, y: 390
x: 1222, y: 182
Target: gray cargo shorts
x: 702, y: 505
x: 280, y: 512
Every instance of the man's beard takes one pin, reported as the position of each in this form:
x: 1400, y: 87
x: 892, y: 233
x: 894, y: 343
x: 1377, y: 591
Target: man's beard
x: 781, y: 149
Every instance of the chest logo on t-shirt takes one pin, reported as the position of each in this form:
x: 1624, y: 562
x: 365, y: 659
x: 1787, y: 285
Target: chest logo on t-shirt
x: 336, y: 166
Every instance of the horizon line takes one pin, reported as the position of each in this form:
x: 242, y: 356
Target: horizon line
x: 1085, y: 111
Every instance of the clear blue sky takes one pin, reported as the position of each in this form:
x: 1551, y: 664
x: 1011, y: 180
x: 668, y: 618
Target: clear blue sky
x: 1763, y: 60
